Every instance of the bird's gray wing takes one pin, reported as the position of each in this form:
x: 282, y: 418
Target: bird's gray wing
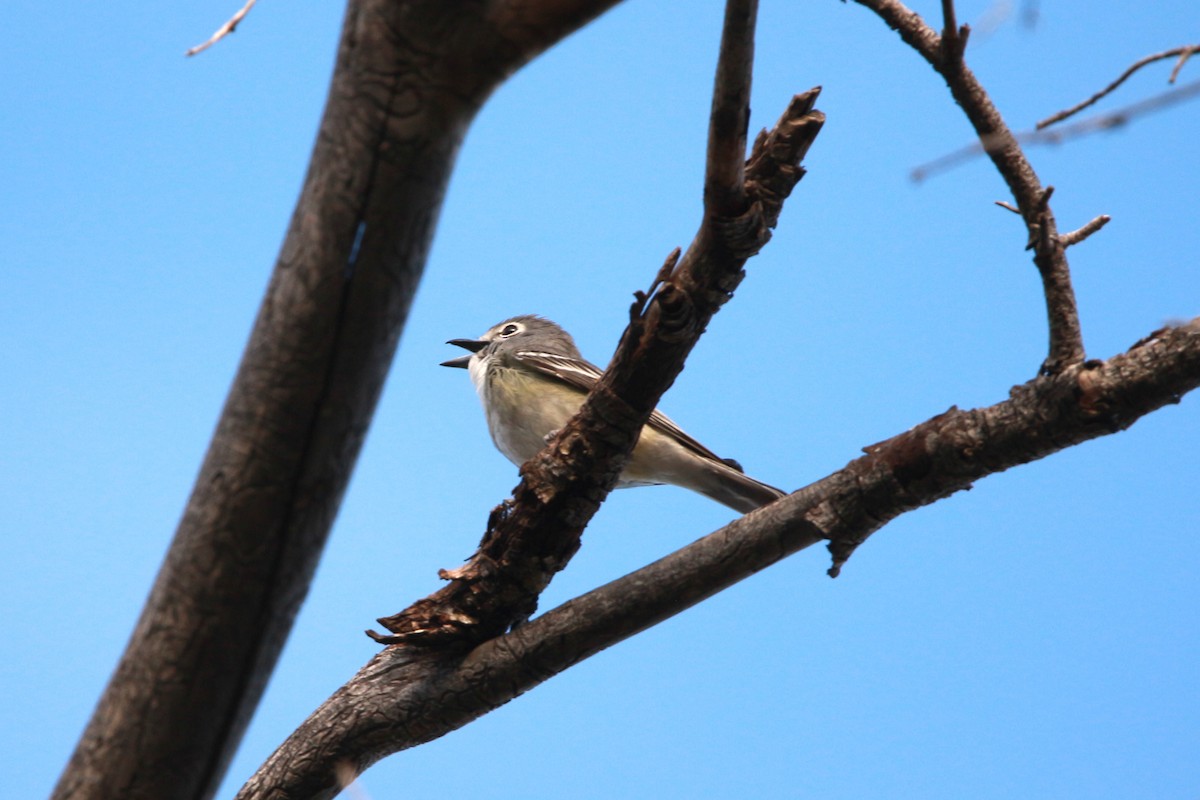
x: 571, y: 371
x: 583, y: 375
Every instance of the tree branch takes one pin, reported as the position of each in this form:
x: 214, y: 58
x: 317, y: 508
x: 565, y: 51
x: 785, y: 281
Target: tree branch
x: 724, y: 189
x: 1182, y: 52
x: 229, y: 27
x: 1066, y: 339
x: 1077, y: 236
x: 1058, y: 135
x: 1183, y: 59
x: 406, y: 696
x: 533, y: 535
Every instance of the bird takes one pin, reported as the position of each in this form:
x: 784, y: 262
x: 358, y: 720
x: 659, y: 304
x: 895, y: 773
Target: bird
x: 531, y: 379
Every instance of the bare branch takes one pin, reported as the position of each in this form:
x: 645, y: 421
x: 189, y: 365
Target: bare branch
x: 1009, y: 206
x: 534, y: 535
x: 949, y: 22
x: 1182, y: 52
x: 954, y: 40
x: 1066, y: 339
x: 223, y: 31
x: 1078, y: 235
x: 406, y: 696
x: 724, y: 193
x: 1058, y: 135
x: 1183, y: 59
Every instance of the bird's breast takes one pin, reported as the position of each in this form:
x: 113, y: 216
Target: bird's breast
x: 522, y: 408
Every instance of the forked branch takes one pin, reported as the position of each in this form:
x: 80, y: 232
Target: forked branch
x: 533, y: 535
x: 1062, y: 133
x: 1182, y: 53
x: 1066, y: 338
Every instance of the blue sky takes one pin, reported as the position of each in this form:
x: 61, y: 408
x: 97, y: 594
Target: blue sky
x: 1035, y: 636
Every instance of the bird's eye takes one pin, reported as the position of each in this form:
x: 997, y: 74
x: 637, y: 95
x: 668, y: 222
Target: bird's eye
x: 509, y: 329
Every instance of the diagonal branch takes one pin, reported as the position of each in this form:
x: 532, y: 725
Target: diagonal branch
x: 1187, y: 53
x: 1183, y: 53
x: 1066, y: 339
x: 406, y: 696
x: 533, y: 535
x: 1080, y: 234
x: 229, y: 27
x: 1059, y: 134
x: 724, y: 189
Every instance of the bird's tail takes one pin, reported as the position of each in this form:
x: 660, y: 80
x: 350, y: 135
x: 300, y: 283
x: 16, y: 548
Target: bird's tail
x: 727, y: 484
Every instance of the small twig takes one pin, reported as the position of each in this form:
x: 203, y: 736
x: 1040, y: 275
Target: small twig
x: 954, y: 38
x: 724, y: 180
x: 223, y: 31
x: 1009, y: 206
x: 1084, y: 127
x: 1077, y: 236
x: 949, y: 25
x: 1182, y: 52
x: 1183, y: 57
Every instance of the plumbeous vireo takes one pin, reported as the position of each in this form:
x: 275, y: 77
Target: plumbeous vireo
x: 532, y: 379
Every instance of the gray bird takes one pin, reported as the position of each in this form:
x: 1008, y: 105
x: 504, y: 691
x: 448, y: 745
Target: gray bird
x: 532, y: 379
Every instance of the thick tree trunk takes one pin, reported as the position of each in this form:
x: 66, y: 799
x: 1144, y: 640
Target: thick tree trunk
x: 408, y: 80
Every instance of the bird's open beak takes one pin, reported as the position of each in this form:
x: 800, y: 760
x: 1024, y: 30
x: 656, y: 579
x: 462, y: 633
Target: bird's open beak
x: 474, y: 345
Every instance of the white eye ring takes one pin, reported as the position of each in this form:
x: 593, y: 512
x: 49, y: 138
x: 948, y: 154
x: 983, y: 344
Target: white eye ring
x: 511, y: 329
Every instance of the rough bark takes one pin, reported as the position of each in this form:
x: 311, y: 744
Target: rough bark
x: 533, y: 536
